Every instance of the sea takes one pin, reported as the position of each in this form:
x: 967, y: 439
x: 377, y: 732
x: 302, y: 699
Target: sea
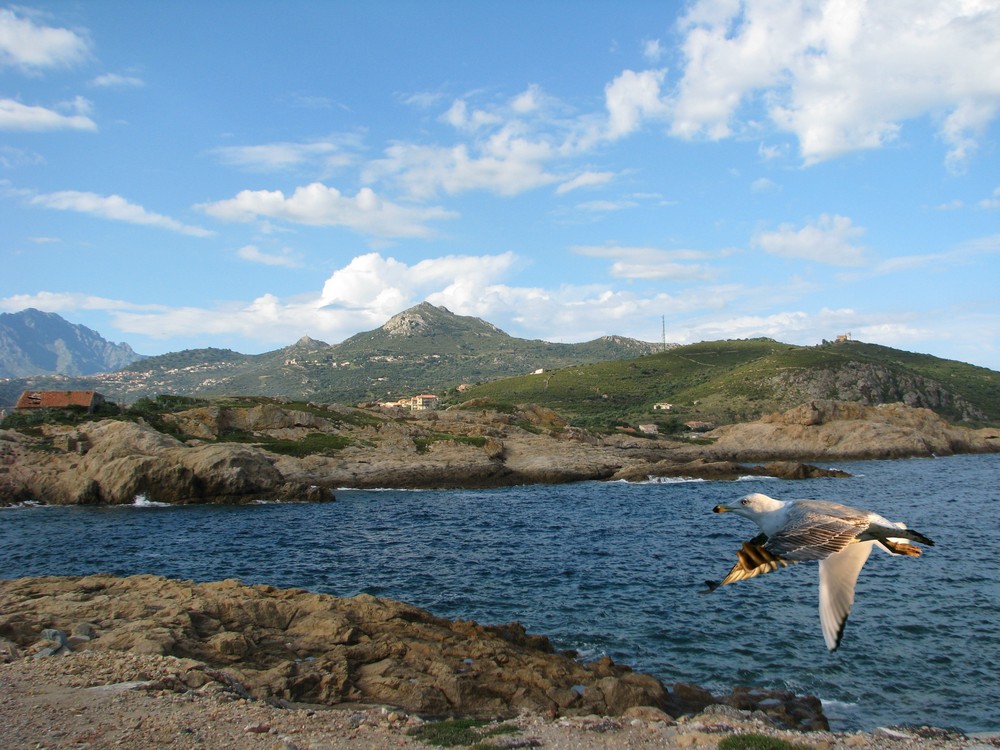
x: 617, y: 569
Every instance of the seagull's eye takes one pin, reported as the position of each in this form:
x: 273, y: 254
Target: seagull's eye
x: 744, y: 501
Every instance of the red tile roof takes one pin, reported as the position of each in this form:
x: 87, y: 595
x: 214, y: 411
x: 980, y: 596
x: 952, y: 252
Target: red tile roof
x: 57, y: 399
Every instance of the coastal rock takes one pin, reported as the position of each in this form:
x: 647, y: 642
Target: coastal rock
x: 323, y: 448
x: 125, y: 460
x: 838, y: 430
x: 292, y: 645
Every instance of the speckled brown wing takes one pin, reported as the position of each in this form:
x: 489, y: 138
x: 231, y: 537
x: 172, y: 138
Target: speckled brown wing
x: 752, y: 560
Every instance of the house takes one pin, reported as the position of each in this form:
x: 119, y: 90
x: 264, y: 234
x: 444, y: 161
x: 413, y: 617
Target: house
x: 662, y: 406
x: 699, y: 426
x: 649, y: 429
x: 31, y: 400
x: 424, y: 402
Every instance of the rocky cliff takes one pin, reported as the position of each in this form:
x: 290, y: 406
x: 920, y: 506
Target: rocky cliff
x: 839, y: 430
x: 291, y: 646
x: 269, y: 451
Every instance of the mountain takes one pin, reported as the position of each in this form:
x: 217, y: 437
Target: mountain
x: 740, y: 380
x: 33, y: 342
x: 425, y: 348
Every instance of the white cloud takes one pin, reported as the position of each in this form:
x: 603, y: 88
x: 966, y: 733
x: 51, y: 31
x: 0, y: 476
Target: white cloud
x: 632, y: 98
x: 319, y: 205
x: 15, y: 157
x: 114, y: 80
x: 503, y: 164
x: 585, y: 179
x: 60, y: 302
x: 29, y: 46
x: 254, y: 254
x: 992, y: 202
x: 283, y: 155
x: 652, y: 50
x: 651, y: 263
x: 841, y: 76
x: 17, y: 116
x: 828, y: 240
x: 762, y: 185
x: 385, y: 285
x: 604, y: 206
x: 113, y: 207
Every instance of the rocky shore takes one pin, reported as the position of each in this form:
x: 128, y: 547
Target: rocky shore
x: 114, y: 462
x: 144, y: 661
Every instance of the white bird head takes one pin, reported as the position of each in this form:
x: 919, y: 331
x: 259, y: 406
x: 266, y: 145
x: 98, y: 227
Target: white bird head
x: 752, y: 506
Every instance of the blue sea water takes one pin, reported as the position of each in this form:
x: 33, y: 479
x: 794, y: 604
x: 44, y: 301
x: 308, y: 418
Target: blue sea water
x: 617, y: 569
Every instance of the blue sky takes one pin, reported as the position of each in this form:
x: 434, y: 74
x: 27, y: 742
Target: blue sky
x: 240, y: 174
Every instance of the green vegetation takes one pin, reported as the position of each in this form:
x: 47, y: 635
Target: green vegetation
x: 732, y: 381
x: 460, y: 733
x: 315, y: 443
x: 758, y: 742
x: 424, y: 442
x: 29, y: 422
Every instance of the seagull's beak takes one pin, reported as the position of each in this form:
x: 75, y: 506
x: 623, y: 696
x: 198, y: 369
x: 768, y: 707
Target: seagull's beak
x: 720, y: 509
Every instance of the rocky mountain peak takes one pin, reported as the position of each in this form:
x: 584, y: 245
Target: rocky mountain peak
x: 33, y: 342
x: 426, y: 319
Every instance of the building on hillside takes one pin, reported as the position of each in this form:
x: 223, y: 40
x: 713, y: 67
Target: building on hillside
x: 662, y: 406
x: 31, y: 400
x: 649, y: 429
x: 699, y: 426
x: 424, y: 402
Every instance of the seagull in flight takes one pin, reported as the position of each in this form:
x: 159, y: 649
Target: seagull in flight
x: 838, y: 536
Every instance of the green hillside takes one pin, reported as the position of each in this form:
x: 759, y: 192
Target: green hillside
x: 738, y: 380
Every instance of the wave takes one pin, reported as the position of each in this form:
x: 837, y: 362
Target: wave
x: 141, y: 501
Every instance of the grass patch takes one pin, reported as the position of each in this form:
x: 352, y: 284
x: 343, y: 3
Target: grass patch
x: 461, y: 733
x: 315, y: 443
x: 424, y: 443
x: 759, y: 742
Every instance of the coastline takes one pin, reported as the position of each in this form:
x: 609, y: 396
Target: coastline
x: 131, y: 680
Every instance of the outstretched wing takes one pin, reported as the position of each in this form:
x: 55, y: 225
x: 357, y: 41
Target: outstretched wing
x: 814, y: 531
x: 753, y: 559
x: 838, y: 575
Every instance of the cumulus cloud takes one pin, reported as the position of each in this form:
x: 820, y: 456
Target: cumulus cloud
x: 27, y: 45
x: 320, y: 205
x: 26, y: 117
x: 632, y: 98
x: 840, y: 76
x: 830, y: 239
x: 386, y: 285
x: 115, y: 208
x: 504, y: 164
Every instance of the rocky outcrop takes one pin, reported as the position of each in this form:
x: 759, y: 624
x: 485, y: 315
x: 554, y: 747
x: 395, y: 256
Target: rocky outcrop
x: 869, y: 384
x: 112, y: 462
x: 291, y: 453
x: 289, y: 645
x: 839, y: 430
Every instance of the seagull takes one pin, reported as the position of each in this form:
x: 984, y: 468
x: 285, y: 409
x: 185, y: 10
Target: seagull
x: 838, y: 536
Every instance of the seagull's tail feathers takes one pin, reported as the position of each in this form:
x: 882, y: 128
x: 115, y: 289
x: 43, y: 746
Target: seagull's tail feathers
x: 892, y: 539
